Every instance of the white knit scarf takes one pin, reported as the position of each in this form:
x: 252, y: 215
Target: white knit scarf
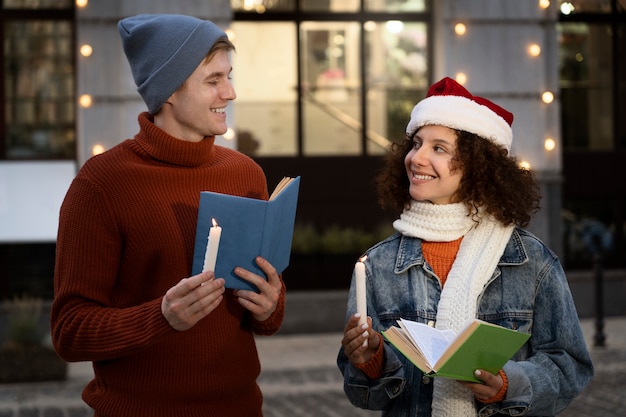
x: 481, y: 248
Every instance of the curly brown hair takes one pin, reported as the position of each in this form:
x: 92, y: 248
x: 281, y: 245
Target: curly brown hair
x: 492, y: 180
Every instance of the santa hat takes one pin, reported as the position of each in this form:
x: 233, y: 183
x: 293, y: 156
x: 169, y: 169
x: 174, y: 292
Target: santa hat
x: 449, y: 104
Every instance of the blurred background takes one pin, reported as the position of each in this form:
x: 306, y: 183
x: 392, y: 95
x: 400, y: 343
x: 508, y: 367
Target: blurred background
x: 324, y: 86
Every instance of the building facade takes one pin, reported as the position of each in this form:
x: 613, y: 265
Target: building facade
x: 323, y: 88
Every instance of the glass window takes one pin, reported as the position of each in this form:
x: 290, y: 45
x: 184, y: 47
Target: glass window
x: 37, y: 4
x: 395, y: 5
x: 362, y: 65
x: 585, y: 6
x: 38, y: 89
x: 585, y: 65
x: 265, y: 80
x: 330, y: 5
x: 262, y: 6
x: 397, y: 77
x: 331, y: 88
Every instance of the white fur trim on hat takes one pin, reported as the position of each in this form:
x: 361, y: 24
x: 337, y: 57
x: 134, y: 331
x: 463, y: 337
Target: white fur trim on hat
x: 461, y: 113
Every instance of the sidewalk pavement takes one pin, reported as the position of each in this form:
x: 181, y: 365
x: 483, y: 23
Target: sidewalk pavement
x: 299, y: 378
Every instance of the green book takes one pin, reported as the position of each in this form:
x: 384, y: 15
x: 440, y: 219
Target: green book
x: 480, y: 345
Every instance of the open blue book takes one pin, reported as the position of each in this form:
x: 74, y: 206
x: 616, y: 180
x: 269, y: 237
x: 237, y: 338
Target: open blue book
x: 249, y: 228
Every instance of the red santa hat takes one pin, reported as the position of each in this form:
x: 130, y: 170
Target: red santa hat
x: 449, y: 104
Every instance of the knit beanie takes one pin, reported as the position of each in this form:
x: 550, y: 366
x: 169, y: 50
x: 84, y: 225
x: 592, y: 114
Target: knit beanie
x: 449, y: 104
x: 163, y: 50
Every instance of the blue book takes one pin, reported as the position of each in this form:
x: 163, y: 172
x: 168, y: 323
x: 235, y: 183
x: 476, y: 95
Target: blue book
x: 249, y: 228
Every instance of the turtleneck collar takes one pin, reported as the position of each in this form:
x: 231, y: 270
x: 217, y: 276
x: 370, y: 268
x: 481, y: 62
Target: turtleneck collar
x: 166, y: 148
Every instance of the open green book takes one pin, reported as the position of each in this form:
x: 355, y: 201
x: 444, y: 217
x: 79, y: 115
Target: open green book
x: 480, y: 345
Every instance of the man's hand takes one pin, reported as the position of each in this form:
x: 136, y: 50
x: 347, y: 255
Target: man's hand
x: 264, y: 303
x: 192, y: 299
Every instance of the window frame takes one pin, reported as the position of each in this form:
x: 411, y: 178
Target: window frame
x: 50, y: 14
x: 362, y: 16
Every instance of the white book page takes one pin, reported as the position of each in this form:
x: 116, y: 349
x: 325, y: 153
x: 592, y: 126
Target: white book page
x: 430, y: 341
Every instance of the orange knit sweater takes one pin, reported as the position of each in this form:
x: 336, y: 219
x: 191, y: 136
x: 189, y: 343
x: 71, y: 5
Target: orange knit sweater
x: 440, y: 256
x: 126, y: 235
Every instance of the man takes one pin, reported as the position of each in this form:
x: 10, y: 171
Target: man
x: 162, y: 343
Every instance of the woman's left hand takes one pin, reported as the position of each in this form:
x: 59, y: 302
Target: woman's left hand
x: 264, y: 303
x: 491, y: 387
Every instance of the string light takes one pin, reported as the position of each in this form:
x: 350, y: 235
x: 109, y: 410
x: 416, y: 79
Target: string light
x: 567, y: 8
x: 460, y: 29
x: 547, y: 97
x: 534, y: 50
x: 549, y: 144
x: 85, y: 100
x: 86, y: 50
x: 460, y: 78
x: 229, y: 134
x: 97, y: 149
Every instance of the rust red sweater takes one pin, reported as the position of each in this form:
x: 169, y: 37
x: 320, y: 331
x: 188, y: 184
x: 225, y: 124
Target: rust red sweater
x: 126, y: 235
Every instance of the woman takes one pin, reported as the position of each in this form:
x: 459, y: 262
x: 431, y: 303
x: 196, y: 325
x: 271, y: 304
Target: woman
x: 460, y: 253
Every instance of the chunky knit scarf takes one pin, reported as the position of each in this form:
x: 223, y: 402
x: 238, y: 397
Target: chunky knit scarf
x: 481, y: 248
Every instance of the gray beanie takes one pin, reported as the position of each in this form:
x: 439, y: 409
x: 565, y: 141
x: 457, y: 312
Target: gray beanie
x: 163, y: 50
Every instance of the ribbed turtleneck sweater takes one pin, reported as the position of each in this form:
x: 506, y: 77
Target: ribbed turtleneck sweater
x: 126, y: 235
x: 440, y: 256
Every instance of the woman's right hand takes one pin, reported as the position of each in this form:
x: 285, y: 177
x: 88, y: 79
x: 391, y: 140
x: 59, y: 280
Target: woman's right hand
x: 359, y: 342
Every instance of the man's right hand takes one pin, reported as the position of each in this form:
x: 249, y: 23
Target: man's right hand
x: 192, y: 299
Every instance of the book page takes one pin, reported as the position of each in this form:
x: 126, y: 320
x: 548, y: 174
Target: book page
x: 430, y: 341
x: 281, y: 185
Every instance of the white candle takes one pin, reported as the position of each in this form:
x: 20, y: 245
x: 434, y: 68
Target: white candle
x: 361, y: 295
x: 213, y: 243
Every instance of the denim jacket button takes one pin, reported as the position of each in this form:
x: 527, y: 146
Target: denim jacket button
x: 425, y: 380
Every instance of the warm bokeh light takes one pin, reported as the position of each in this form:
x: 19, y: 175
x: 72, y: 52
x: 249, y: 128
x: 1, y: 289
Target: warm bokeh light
x: 81, y: 3
x: 544, y: 4
x: 460, y: 78
x: 85, y: 100
x: 460, y: 29
x: 534, y: 50
x: 394, y: 26
x: 97, y: 149
x: 86, y: 50
x: 524, y: 165
x: 567, y: 8
x: 229, y: 135
x: 230, y: 34
x: 369, y: 26
x: 547, y: 97
x: 549, y: 144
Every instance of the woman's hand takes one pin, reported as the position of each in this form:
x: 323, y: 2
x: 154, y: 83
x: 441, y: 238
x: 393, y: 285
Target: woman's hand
x: 359, y: 343
x: 491, y: 387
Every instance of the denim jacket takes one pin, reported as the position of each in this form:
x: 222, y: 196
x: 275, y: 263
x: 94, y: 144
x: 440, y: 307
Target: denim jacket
x: 528, y: 292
